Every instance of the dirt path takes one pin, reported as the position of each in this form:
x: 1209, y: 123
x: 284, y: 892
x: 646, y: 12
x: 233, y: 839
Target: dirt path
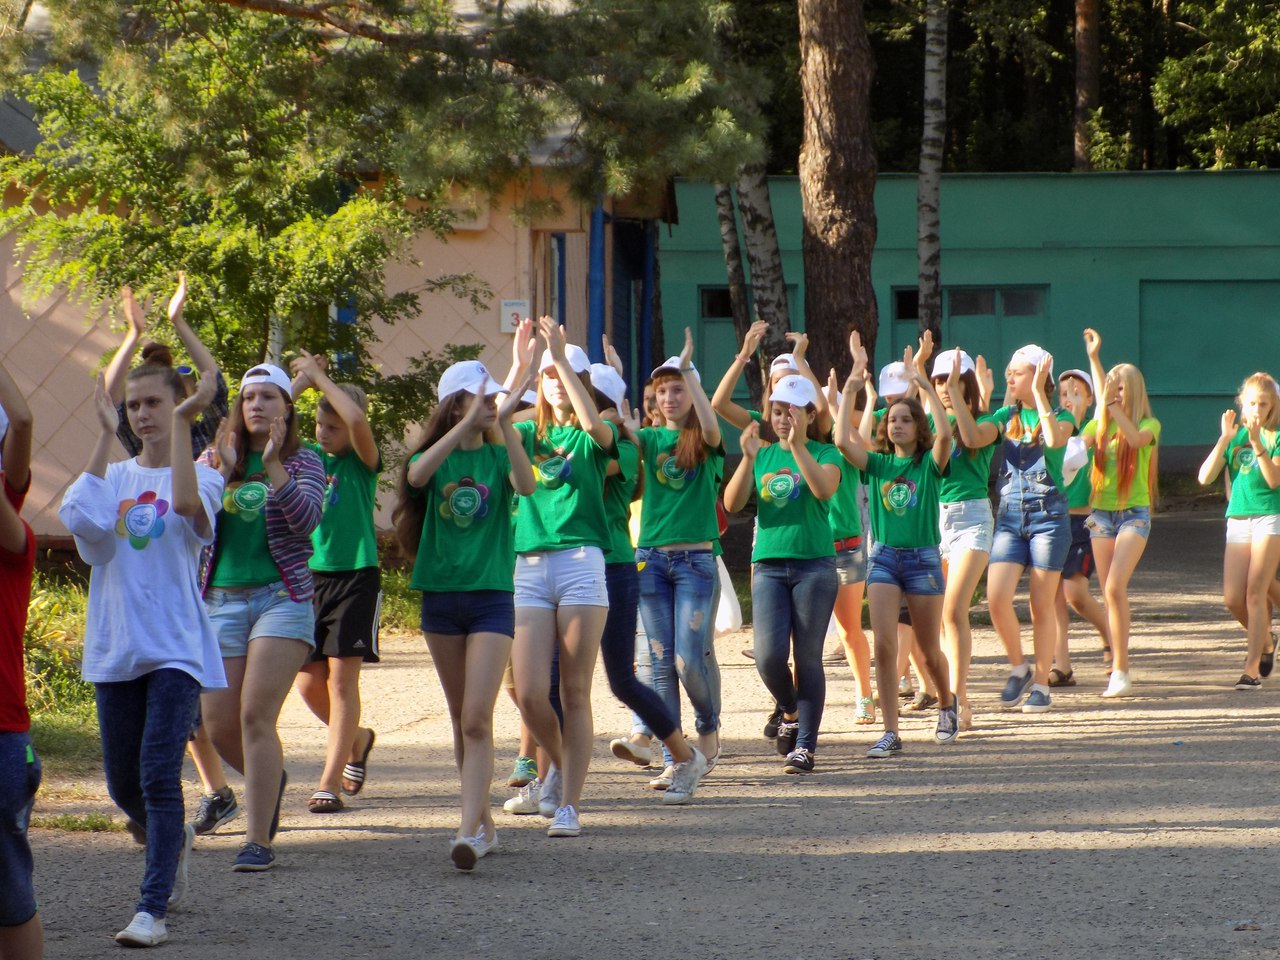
x: 1142, y: 828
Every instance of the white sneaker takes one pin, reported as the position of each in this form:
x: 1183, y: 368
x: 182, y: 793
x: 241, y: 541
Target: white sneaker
x: 552, y: 791
x: 467, y: 850
x: 1120, y: 685
x: 526, y: 799
x: 566, y: 823
x: 624, y: 748
x: 663, y: 780
x: 684, y: 780
x: 182, y: 877
x: 143, y: 930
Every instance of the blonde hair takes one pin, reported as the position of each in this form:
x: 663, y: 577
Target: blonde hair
x: 1266, y: 384
x: 1137, y: 407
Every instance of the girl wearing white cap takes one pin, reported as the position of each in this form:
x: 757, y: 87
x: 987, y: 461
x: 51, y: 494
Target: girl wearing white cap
x: 783, y: 365
x: 1033, y: 528
x: 149, y: 646
x: 1124, y: 438
x: 793, y: 582
x: 258, y: 591
x: 560, y: 595
x: 453, y: 517
x: 618, y: 643
x: 905, y: 560
x: 965, y: 519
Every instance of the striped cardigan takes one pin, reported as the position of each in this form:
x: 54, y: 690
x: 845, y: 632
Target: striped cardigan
x: 292, y: 512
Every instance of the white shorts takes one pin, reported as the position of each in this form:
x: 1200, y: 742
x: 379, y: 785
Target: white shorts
x: 561, y: 578
x: 966, y: 525
x: 1249, y: 529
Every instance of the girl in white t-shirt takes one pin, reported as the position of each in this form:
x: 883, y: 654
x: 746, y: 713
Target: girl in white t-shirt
x: 149, y: 647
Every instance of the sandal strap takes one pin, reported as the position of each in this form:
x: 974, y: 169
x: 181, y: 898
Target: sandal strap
x: 353, y: 773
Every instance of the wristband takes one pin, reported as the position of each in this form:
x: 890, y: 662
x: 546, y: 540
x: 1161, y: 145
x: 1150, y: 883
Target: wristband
x: 742, y: 357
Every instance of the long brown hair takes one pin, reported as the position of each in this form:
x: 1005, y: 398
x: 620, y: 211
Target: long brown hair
x: 546, y: 417
x: 691, y: 449
x: 924, y: 435
x: 235, y: 423
x: 410, y: 511
x: 972, y: 400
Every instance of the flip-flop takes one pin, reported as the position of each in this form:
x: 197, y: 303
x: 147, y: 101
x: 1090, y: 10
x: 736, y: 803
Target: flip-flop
x: 1059, y: 679
x: 322, y: 801
x: 353, y: 774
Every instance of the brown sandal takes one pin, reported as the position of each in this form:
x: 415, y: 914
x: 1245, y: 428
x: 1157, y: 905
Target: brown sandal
x: 322, y: 801
x: 1059, y: 679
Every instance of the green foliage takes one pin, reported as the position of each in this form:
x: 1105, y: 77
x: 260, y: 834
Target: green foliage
x: 53, y: 642
x: 401, y: 606
x: 65, y: 734
x: 78, y: 823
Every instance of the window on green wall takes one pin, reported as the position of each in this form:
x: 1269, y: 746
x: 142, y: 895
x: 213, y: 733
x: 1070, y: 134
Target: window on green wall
x: 992, y: 321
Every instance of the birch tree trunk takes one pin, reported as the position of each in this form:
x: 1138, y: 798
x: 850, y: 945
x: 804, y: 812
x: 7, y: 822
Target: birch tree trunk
x: 929, y: 180
x: 837, y: 180
x: 1087, y: 95
x: 729, y: 240
x: 768, y: 286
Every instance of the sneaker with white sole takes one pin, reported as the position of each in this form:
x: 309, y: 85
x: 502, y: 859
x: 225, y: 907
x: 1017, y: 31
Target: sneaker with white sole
x: 685, y: 777
x: 624, y: 748
x: 466, y: 851
x: 1038, y: 702
x: 1120, y: 685
x: 565, y: 823
x: 182, y: 878
x: 143, y: 930
x: 887, y: 746
x: 1015, y: 688
x: 1247, y: 682
x: 948, y: 724
x: 552, y: 791
x: 253, y: 858
x: 525, y: 801
x: 799, y: 761
x: 525, y: 769
x: 663, y: 780
x: 215, y: 809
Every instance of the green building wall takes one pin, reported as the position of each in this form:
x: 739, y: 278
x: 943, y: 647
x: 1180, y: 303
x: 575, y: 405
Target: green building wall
x: 1179, y: 272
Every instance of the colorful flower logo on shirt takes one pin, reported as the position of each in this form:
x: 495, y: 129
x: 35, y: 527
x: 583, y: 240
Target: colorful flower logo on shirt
x: 465, y: 502
x: 330, y: 493
x: 142, y: 520
x: 553, y: 471
x: 671, y: 474
x: 245, y: 499
x: 778, y: 488
x: 1245, y: 458
x: 898, y: 495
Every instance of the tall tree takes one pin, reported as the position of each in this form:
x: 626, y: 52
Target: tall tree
x: 768, y: 284
x: 1087, y: 87
x: 837, y: 179
x: 929, y: 179
x: 738, y: 300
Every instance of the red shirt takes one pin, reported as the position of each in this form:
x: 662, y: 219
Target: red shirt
x: 16, y: 570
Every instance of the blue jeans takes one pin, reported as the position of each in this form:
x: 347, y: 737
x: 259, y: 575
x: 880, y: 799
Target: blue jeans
x: 618, y: 648
x: 1033, y: 531
x: 678, y: 591
x: 19, y: 779
x: 791, y: 604
x: 144, y: 725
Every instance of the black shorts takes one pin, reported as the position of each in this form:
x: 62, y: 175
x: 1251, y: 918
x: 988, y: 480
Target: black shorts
x: 348, y: 606
x: 1080, y: 554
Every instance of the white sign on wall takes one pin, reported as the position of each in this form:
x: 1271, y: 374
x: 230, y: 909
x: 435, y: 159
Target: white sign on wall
x: 510, y: 313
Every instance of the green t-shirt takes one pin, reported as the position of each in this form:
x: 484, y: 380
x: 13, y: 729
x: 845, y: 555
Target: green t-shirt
x: 345, y: 539
x: 842, y: 509
x: 618, y: 491
x: 791, y: 523
x: 970, y: 471
x: 1080, y: 490
x: 243, y: 556
x: 1250, y: 494
x: 467, y: 541
x: 903, y: 496
x: 566, y: 509
x: 1108, y: 497
x: 1020, y: 455
x: 677, y: 506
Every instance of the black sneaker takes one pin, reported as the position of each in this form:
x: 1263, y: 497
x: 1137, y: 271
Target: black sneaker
x: 215, y: 810
x: 799, y: 761
x: 788, y: 730
x: 889, y: 745
x: 771, y: 725
x: 1247, y: 682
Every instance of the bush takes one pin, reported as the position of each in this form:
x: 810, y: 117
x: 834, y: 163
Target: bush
x: 401, y: 605
x: 54, y: 641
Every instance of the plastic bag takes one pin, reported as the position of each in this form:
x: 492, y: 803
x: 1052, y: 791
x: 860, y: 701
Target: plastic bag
x: 729, y: 612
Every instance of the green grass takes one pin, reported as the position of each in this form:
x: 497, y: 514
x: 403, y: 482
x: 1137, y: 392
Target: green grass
x: 78, y: 822
x: 401, y: 605
x: 68, y: 737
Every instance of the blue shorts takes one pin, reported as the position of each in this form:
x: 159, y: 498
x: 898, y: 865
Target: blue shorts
x: 1080, y: 555
x: 241, y: 614
x: 851, y: 565
x: 966, y: 525
x: 1033, y: 532
x: 461, y: 613
x: 19, y: 779
x: 916, y: 570
x: 1109, y: 524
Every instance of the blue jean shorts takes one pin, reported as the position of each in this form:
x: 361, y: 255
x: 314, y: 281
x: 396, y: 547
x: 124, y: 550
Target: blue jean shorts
x: 241, y: 614
x: 916, y: 570
x: 1034, y: 532
x: 1109, y: 524
x: 463, y: 612
x: 561, y: 578
x: 851, y: 565
x: 966, y: 525
x: 19, y: 778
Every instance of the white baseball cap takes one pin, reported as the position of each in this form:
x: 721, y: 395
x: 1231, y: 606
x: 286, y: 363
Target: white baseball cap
x: 945, y: 360
x: 606, y: 379
x: 529, y: 397
x: 1080, y: 375
x: 894, y: 379
x: 579, y: 362
x: 267, y: 373
x: 470, y: 376
x: 672, y: 365
x: 795, y: 390
x: 1031, y: 355
x: 783, y: 361
x: 90, y: 510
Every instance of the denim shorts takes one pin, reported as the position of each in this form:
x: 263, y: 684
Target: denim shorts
x: 966, y: 525
x: 851, y: 565
x: 1033, y: 532
x: 460, y: 613
x: 241, y: 614
x: 1248, y: 529
x: 1109, y: 524
x: 917, y: 570
x: 19, y: 778
x: 561, y: 578
x: 1080, y: 554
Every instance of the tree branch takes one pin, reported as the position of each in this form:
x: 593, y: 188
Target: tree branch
x: 321, y: 12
